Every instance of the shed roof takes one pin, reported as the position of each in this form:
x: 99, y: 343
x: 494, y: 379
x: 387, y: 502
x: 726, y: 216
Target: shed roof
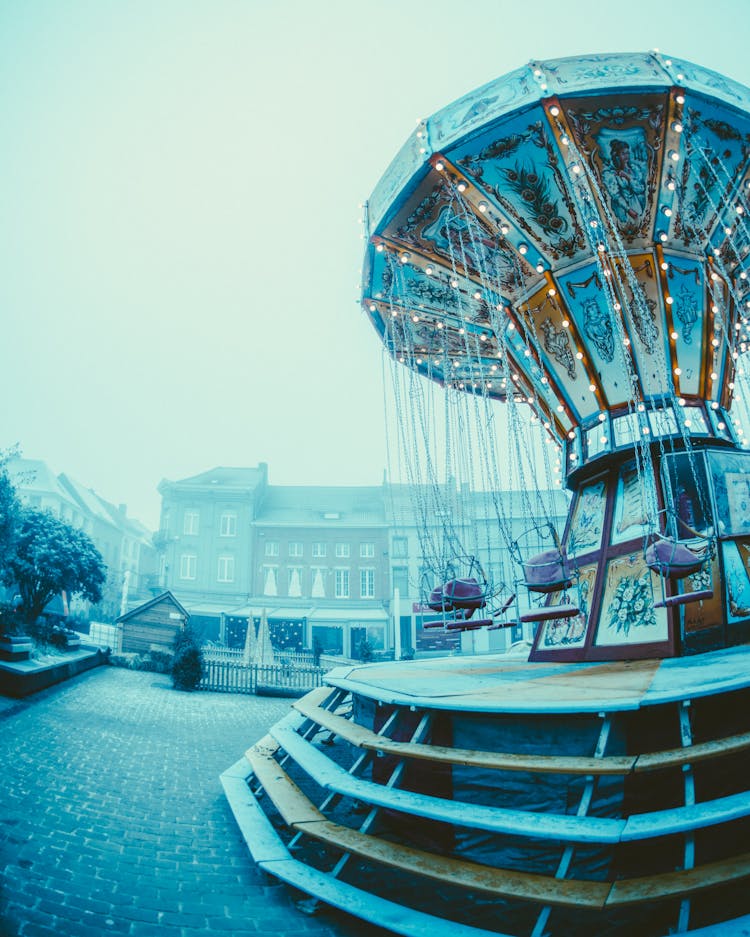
x: 164, y: 597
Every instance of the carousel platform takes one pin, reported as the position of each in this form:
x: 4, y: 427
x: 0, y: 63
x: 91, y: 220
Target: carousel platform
x: 487, y: 796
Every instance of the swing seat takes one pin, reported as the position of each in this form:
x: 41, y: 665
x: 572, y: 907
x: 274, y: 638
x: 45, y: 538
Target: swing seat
x: 549, y: 612
x: 467, y: 625
x: 464, y: 594
x: 685, y: 598
x: 547, y: 572
x: 459, y: 615
x: 497, y: 625
x: 438, y: 602
x: 673, y: 559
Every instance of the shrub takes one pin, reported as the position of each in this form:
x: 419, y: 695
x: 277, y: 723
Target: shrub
x: 58, y: 636
x: 124, y: 660
x: 365, y: 652
x: 187, y: 668
x: 10, y: 621
x: 159, y: 661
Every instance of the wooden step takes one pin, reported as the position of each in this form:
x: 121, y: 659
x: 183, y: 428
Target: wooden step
x: 548, y: 826
x: 272, y: 856
x: 679, y: 884
x: 676, y: 757
x: 362, y: 737
x: 527, y: 823
x: 300, y: 814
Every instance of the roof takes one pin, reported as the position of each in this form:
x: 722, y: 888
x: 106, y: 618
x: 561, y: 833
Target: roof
x: 306, y: 505
x: 87, y: 498
x: 35, y: 476
x: 221, y: 476
x: 165, y: 596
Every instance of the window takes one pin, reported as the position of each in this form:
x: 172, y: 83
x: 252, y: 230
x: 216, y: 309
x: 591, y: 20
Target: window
x: 318, y: 549
x: 190, y: 522
x: 188, y: 565
x: 272, y: 547
x: 228, y: 524
x: 400, y: 578
x: 367, y: 550
x: 342, y: 550
x: 342, y: 583
x: 294, y: 583
x: 269, y: 580
x: 400, y: 547
x: 318, y: 588
x: 226, y: 569
x: 367, y: 583
x: 295, y: 548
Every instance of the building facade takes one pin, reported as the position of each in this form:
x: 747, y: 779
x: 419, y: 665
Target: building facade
x: 331, y: 567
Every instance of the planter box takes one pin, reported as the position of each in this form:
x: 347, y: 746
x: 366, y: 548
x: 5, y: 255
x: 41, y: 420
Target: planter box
x: 22, y: 679
x: 15, y: 647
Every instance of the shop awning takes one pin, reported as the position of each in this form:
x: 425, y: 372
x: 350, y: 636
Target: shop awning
x: 287, y: 612
x: 348, y: 614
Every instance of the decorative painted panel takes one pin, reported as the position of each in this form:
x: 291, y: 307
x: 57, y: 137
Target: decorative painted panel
x: 621, y: 141
x: 630, y: 518
x: 717, y: 152
x: 482, y: 106
x: 737, y: 578
x: 587, y: 521
x: 709, y: 613
x: 568, y: 633
x: 584, y: 295
x: 705, y: 80
x: 522, y: 169
x: 730, y: 473
x: 544, y: 317
x: 627, y: 614
x: 642, y: 308
x: 686, y: 289
x: 566, y: 76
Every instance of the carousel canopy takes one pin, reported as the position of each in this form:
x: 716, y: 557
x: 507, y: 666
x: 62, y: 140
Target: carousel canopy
x: 574, y: 236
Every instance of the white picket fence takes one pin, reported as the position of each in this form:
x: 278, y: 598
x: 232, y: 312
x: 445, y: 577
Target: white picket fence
x: 236, y: 655
x: 224, y: 674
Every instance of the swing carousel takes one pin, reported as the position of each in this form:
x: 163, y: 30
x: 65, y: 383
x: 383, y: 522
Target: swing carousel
x: 560, y: 259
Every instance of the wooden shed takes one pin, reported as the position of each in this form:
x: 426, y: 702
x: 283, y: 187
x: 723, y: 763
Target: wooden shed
x: 152, y: 626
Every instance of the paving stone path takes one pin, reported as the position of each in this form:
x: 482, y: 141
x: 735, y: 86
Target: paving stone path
x: 113, y: 820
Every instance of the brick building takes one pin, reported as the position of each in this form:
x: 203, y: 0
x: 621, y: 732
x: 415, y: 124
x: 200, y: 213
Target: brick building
x: 330, y: 566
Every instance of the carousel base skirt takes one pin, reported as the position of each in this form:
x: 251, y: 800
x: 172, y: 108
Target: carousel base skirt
x: 492, y: 796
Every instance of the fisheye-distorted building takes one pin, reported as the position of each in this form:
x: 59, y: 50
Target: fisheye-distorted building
x: 331, y: 566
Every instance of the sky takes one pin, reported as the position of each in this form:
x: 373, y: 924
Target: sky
x: 180, y: 194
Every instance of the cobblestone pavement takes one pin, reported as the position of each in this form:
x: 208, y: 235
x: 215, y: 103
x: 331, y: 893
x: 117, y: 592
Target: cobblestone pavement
x: 113, y: 819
